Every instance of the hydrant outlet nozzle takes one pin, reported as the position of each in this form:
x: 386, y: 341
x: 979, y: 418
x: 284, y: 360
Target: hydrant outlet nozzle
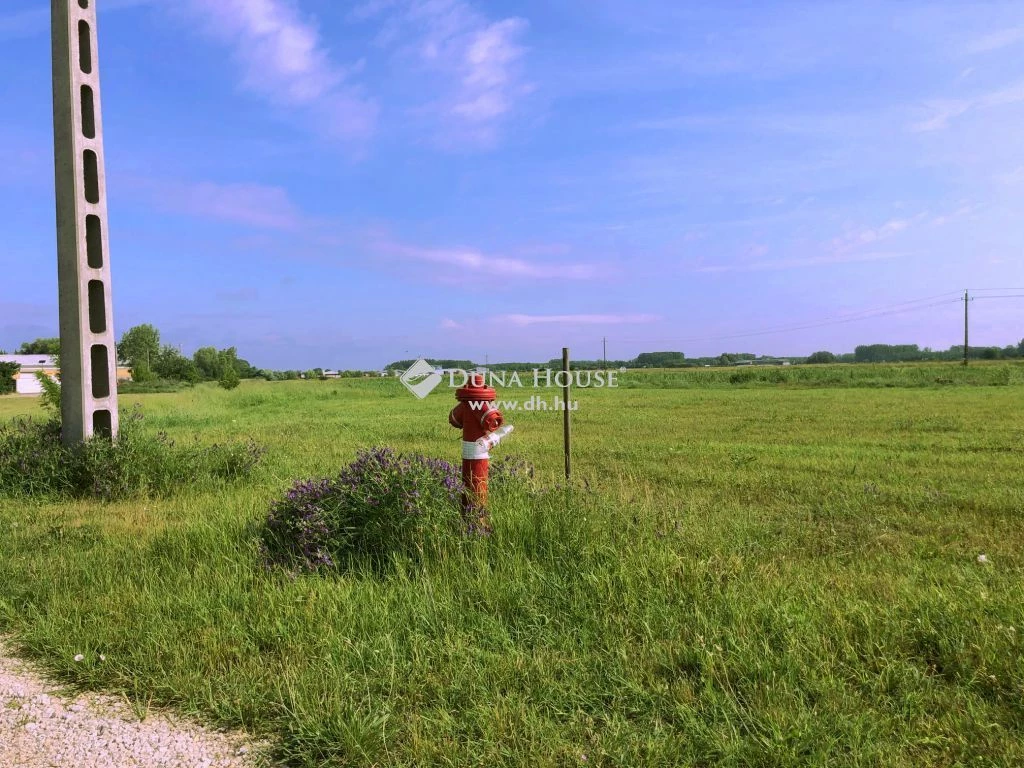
x: 490, y: 440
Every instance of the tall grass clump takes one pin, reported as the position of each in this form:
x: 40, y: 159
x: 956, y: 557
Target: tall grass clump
x: 152, y: 386
x: 382, y: 505
x: 34, y: 462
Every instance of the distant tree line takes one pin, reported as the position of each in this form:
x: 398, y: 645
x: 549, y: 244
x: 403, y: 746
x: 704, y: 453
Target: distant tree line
x: 140, y: 349
x: 50, y: 346
x: 149, y: 360
x: 865, y: 353
x: 401, y: 365
x: 312, y: 373
x: 890, y: 353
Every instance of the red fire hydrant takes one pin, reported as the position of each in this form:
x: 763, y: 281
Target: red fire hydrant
x: 481, y: 424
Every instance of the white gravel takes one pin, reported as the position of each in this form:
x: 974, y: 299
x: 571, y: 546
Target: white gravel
x: 41, y: 727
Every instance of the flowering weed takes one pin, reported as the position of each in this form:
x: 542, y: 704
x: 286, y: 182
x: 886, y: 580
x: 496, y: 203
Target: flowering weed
x: 383, y: 503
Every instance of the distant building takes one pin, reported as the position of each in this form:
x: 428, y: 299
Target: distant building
x: 332, y: 375
x: 25, y: 381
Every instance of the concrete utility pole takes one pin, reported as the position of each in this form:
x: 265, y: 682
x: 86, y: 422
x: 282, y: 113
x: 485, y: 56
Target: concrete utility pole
x: 88, y: 357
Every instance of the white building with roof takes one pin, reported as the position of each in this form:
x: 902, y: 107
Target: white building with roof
x: 25, y: 381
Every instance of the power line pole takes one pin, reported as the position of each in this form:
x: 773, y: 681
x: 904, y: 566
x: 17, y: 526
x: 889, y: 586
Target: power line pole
x: 967, y: 301
x: 604, y: 352
x: 566, y: 430
x: 88, y: 349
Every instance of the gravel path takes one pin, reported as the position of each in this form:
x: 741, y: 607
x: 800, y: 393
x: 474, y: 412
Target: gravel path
x: 41, y: 727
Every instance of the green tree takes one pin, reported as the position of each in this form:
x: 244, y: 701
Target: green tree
x: 887, y: 353
x: 40, y: 347
x: 229, y: 359
x: 171, y: 364
x: 7, y: 371
x: 660, y: 360
x: 821, y: 357
x: 208, y: 362
x: 246, y: 370
x: 229, y: 379
x: 139, y: 349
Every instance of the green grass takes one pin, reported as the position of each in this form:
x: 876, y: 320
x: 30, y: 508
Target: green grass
x: 751, y: 574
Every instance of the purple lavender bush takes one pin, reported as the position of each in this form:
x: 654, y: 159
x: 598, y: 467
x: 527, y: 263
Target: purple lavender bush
x: 383, y: 503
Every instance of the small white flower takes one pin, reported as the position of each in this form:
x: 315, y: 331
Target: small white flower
x: 79, y: 657
x: 982, y: 558
x: 102, y: 657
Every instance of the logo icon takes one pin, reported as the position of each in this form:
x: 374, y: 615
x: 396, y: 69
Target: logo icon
x: 421, y: 378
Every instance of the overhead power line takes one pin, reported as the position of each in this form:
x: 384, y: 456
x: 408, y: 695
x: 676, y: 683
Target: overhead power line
x: 866, y: 314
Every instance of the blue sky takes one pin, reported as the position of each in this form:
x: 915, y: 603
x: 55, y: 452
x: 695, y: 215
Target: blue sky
x: 344, y: 184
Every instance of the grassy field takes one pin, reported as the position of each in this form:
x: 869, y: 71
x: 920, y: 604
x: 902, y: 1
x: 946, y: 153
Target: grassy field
x: 750, y: 571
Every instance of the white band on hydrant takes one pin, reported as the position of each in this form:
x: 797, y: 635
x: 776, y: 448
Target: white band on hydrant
x: 472, y: 450
x: 479, y: 449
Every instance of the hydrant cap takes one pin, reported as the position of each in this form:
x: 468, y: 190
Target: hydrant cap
x: 476, y: 390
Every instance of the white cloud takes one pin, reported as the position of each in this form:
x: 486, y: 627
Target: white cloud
x: 250, y: 204
x: 488, y: 85
x: 996, y: 40
x: 846, y: 248
x: 283, y: 59
x: 1014, y: 177
x: 794, y: 263
x: 472, y: 64
x: 944, y: 110
x: 468, y: 260
x: 524, y: 320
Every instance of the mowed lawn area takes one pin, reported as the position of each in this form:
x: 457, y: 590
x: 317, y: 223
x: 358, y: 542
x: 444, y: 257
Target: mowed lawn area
x: 746, y: 572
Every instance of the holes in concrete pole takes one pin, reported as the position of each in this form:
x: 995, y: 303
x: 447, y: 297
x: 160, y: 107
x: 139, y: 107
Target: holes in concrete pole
x: 94, y: 241
x: 84, y: 48
x: 90, y: 167
x: 88, y: 113
x: 102, y: 426
x: 83, y: 4
x: 97, y: 307
x: 100, y: 373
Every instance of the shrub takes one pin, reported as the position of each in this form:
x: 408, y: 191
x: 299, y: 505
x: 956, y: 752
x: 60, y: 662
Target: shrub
x: 7, y: 371
x: 230, y: 379
x: 151, y: 386
x: 34, y: 462
x: 821, y: 357
x: 50, y: 397
x: 382, y: 504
